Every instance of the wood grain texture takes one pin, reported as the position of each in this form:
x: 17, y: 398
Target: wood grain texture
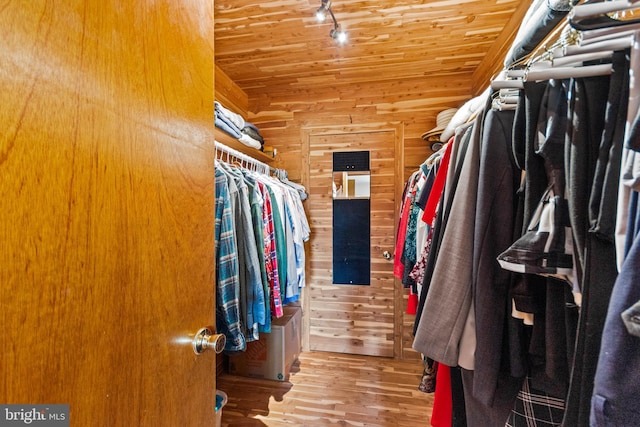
x: 490, y: 66
x: 350, y: 318
x: 235, y: 99
x: 229, y: 94
x: 267, y: 45
x: 328, y: 389
x: 405, y: 62
x: 234, y: 144
x: 106, y: 208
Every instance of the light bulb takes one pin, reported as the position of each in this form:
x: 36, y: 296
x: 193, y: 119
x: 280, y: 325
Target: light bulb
x: 338, y: 35
x: 342, y: 37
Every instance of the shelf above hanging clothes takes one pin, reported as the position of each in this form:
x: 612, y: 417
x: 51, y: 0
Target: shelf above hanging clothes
x: 232, y: 142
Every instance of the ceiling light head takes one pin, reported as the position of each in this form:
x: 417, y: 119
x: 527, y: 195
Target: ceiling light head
x: 321, y: 14
x: 338, y: 35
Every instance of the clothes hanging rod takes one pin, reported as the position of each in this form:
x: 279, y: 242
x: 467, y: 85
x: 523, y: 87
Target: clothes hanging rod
x: 220, y: 147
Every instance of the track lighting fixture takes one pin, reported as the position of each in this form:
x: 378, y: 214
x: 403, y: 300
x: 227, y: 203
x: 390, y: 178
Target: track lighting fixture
x: 336, y: 33
x: 321, y: 13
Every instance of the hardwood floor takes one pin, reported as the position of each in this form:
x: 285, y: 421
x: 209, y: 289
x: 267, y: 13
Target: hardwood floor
x: 331, y: 389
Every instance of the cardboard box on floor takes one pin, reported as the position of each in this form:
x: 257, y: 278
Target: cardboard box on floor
x: 273, y: 354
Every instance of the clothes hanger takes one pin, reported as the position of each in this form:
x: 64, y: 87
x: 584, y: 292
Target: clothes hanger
x: 575, y: 58
x: 605, y: 14
x: 588, y: 35
x: 563, y: 61
x: 568, y: 72
x: 505, y: 99
x: 513, y: 76
x: 566, y: 61
x: 605, y: 46
x: 496, y: 105
x: 603, y: 34
x: 516, y: 78
x: 504, y: 81
x: 599, y: 8
x: 579, y: 58
x: 509, y: 96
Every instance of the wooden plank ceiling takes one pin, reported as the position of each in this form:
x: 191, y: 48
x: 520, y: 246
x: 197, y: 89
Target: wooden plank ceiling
x: 275, y: 47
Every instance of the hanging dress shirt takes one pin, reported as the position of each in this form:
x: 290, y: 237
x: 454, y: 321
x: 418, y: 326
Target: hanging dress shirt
x: 270, y: 250
x: 227, y: 281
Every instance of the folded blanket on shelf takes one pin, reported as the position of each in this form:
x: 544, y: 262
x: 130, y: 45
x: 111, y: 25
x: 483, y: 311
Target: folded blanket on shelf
x: 233, y: 117
x: 223, y: 122
x: 235, y: 125
x: 251, y: 130
x: 247, y: 140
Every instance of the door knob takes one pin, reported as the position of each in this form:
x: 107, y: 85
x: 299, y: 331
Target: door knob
x: 386, y: 255
x: 205, y: 339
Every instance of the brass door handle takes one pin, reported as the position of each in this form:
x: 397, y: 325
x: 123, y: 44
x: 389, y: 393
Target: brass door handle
x: 205, y: 339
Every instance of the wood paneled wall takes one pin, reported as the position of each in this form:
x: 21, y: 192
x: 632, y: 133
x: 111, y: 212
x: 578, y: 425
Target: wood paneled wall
x: 284, y: 115
x: 284, y: 118
x: 281, y: 117
x: 229, y: 94
x: 353, y: 318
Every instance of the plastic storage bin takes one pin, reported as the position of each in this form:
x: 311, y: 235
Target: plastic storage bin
x: 221, y: 400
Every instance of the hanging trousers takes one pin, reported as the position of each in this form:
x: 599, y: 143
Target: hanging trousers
x: 594, y: 167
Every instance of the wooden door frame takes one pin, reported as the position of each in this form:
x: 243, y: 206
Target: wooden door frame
x: 306, y: 133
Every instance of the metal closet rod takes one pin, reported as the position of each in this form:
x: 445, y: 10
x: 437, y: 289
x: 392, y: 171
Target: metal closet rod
x: 220, y: 147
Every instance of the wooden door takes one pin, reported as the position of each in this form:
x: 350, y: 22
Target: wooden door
x: 354, y: 318
x: 106, y: 209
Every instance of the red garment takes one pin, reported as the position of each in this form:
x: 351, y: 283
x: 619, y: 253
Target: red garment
x: 398, y: 265
x: 412, y: 303
x: 431, y: 208
x: 442, y: 415
x: 270, y: 251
